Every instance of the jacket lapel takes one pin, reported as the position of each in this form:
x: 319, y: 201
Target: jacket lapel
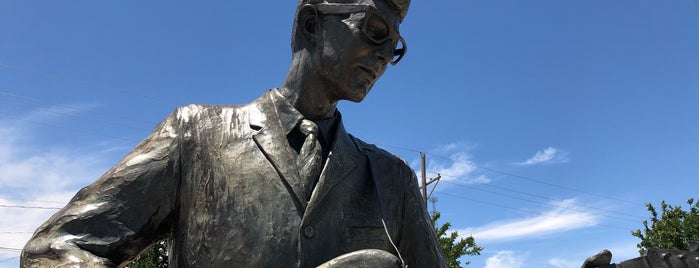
x: 271, y: 138
x: 341, y: 161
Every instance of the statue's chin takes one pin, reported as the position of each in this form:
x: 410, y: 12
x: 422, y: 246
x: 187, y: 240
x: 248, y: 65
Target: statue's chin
x: 359, y: 93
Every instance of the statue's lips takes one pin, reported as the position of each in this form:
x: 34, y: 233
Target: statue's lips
x: 372, y: 74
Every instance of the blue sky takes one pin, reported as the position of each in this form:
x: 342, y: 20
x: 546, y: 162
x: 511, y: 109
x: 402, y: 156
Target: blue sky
x: 552, y: 122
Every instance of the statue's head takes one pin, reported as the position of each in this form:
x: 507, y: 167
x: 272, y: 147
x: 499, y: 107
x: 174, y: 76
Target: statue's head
x: 350, y: 42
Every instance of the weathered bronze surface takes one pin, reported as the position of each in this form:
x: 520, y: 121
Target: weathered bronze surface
x: 654, y: 258
x: 223, y: 183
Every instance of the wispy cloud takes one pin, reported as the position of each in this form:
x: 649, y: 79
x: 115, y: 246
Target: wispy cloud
x: 564, y: 263
x: 549, y: 155
x: 560, y: 219
x: 37, y: 176
x: 455, y: 163
x: 504, y: 259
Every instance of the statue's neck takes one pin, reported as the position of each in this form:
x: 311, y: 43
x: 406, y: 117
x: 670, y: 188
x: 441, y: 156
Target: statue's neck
x: 304, y: 90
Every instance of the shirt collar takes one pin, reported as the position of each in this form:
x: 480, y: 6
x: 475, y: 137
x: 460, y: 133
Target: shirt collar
x: 290, y: 117
x: 328, y: 127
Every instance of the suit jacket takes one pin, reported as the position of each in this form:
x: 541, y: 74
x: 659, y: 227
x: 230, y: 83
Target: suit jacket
x: 221, y: 183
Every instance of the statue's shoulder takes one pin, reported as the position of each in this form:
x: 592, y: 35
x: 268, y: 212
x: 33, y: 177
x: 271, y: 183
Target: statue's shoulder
x: 197, y: 113
x: 382, y: 157
x: 194, y: 113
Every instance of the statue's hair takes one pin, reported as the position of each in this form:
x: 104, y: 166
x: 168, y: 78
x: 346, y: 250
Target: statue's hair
x: 400, y: 7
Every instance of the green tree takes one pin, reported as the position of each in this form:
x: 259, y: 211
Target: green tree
x: 674, y: 228
x: 155, y: 257
x: 452, y: 248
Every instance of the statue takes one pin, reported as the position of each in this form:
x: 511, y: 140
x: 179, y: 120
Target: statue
x: 653, y: 258
x: 274, y: 183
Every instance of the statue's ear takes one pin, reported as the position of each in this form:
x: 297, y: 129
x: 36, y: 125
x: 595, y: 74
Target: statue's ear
x: 308, y: 23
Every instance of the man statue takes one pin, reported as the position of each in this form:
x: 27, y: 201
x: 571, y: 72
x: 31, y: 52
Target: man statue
x: 274, y: 183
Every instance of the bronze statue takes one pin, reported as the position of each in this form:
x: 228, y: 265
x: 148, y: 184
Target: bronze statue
x: 653, y: 258
x: 274, y: 183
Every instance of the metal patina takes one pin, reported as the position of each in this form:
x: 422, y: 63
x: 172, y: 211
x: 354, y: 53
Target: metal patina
x: 224, y: 183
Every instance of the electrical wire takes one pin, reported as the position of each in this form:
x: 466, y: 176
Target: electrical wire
x: 68, y: 128
x: 6, y: 260
x: 28, y: 200
x: 542, y: 203
x: 32, y: 207
x: 35, y: 100
x: 83, y: 83
x: 511, y: 174
x: 535, y: 180
x: 635, y: 217
x: 526, y: 210
x: 11, y: 249
x: 74, y: 116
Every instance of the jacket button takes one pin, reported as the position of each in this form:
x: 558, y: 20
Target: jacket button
x: 308, y: 231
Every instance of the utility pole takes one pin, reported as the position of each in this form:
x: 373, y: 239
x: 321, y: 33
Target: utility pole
x: 424, y: 180
x: 434, y: 200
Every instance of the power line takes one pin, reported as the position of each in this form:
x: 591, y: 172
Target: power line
x: 32, y: 207
x: 524, y: 210
x: 11, y: 249
x: 73, y: 115
x: 5, y: 260
x: 79, y: 82
x: 28, y: 200
x: 533, y: 195
x: 67, y: 128
x: 537, y: 202
x: 35, y: 100
x: 511, y: 174
x: 535, y: 180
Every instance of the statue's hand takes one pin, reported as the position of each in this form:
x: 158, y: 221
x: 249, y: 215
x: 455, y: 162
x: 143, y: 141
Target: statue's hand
x: 601, y: 260
x: 365, y: 258
x: 61, y: 255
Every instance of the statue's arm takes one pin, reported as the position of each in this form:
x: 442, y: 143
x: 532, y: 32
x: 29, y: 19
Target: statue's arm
x: 115, y: 218
x: 419, y: 244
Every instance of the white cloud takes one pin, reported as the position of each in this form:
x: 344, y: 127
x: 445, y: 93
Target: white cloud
x: 564, y: 263
x: 459, y: 167
x: 560, y: 219
x: 504, y: 259
x: 549, y: 155
x: 34, y: 176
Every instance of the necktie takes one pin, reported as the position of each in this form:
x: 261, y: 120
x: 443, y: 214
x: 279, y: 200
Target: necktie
x: 309, y: 160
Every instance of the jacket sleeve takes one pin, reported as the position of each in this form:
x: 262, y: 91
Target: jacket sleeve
x: 111, y: 221
x: 418, y: 239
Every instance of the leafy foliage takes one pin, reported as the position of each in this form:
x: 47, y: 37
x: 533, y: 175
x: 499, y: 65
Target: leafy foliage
x: 155, y: 257
x: 675, y: 228
x: 452, y: 249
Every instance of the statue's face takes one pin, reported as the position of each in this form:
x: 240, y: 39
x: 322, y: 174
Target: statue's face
x: 354, y: 48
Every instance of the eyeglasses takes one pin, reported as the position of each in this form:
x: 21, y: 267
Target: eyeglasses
x: 374, y: 26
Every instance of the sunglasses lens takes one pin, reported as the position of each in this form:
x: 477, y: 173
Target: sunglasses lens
x: 376, y: 28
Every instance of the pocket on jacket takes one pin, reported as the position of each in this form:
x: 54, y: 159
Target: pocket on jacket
x: 366, y: 237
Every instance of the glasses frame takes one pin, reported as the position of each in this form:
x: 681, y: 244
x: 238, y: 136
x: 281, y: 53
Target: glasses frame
x: 344, y: 9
